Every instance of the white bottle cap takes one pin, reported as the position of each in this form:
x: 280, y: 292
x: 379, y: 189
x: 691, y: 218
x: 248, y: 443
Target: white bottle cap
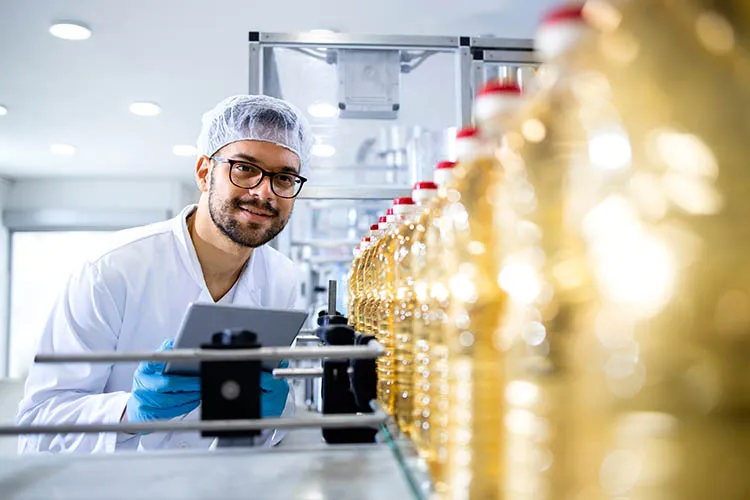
x: 402, y: 206
x: 375, y: 231
x: 390, y: 217
x: 468, y: 144
x: 424, y: 191
x: 561, y: 29
x: 444, y: 173
x: 496, y: 98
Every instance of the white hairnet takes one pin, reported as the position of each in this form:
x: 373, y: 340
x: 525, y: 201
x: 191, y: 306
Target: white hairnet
x: 256, y: 118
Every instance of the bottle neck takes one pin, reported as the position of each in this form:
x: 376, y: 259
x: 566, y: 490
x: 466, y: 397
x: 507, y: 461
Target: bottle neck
x: 426, y: 201
x: 553, y: 41
x: 404, y: 215
x: 443, y: 177
x: 423, y: 200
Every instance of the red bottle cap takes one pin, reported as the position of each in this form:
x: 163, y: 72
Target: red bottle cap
x: 374, y: 227
x: 498, y: 87
x: 446, y: 164
x: 425, y: 185
x: 467, y: 132
x: 563, y: 13
x: 560, y: 30
x: 403, y: 201
x: 382, y: 219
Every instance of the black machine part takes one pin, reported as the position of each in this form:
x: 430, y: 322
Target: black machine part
x: 338, y: 392
x: 231, y: 389
x: 363, y: 376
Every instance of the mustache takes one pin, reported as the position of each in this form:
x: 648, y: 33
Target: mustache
x: 253, y: 203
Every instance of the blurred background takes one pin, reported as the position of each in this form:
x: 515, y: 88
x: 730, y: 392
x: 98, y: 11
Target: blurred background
x: 98, y: 118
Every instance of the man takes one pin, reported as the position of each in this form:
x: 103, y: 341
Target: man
x: 132, y: 297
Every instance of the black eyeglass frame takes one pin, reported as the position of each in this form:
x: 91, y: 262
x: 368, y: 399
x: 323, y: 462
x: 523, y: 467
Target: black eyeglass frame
x: 263, y: 175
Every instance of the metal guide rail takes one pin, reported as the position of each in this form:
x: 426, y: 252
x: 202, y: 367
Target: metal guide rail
x: 373, y: 420
x: 259, y: 354
x: 232, y: 359
x: 215, y: 358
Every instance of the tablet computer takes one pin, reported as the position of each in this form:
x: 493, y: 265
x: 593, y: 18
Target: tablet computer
x: 274, y: 327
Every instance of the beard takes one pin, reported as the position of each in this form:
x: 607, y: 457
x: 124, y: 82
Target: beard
x: 246, y: 234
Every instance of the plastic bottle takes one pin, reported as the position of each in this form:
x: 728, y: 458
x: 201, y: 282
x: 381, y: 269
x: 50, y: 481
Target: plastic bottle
x: 352, y: 298
x: 542, y: 272
x: 476, y: 359
x: 358, y: 275
x: 384, y: 267
x: 664, y: 353
x: 425, y: 317
x: 408, y: 240
x: 431, y: 417
x: 368, y: 283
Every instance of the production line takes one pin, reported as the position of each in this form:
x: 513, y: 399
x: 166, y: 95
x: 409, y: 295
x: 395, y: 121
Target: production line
x: 557, y: 308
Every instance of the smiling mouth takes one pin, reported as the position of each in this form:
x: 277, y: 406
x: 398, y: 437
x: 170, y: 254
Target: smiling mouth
x: 257, y: 212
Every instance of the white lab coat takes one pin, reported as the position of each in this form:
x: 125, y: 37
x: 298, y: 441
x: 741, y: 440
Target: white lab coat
x: 130, y: 298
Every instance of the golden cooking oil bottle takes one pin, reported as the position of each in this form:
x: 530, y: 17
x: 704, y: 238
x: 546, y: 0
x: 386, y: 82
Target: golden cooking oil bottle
x: 352, y: 288
x: 404, y: 301
x: 476, y: 358
x: 662, y: 93
x: 355, y: 318
x: 427, y: 320
x: 368, y: 270
x: 542, y: 271
x: 433, y: 419
x: 373, y: 306
x: 403, y: 209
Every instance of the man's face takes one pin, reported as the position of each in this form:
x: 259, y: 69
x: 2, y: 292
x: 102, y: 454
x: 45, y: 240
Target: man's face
x: 250, y: 217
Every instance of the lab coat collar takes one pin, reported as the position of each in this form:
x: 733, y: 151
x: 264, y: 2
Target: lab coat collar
x: 248, y: 289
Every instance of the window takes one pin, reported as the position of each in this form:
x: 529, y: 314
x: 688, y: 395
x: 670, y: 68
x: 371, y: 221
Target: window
x: 40, y: 265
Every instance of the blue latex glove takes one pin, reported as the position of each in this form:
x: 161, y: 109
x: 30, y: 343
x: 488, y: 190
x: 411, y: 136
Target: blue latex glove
x: 157, y: 396
x: 273, y: 393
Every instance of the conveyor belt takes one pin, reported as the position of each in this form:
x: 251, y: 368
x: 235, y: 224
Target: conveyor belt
x: 301, y: 468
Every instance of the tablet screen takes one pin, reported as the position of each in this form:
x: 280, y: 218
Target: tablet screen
x: 274, y: 328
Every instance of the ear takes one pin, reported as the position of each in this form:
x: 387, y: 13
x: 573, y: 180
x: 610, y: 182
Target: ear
x: 202, y: 170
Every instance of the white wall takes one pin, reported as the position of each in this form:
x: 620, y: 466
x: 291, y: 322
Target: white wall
x: 100, y: 194
x: 5, y: 186
x: 49, y: 203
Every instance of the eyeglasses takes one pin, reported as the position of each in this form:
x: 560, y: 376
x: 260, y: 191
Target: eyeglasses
x: 248, y: 176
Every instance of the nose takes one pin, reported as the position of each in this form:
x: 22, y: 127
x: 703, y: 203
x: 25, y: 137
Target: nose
x: 263, y: 190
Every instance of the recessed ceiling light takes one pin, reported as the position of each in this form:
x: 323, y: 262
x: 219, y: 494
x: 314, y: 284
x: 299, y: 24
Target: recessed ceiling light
x: 70, y: 31
x: 323, y: 150
x: 185, y: 150
x: 145, y: 109
x: 322, y: 31
x: 62, y: 149
x: 322, y: 110
x: 3, y: 110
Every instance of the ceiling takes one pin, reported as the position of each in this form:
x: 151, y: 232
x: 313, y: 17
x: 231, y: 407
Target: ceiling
x: 186, y: 55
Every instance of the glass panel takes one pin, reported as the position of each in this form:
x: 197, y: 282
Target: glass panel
x: 521, y: 73
x: 366, y: 151
x: 414, y: 468
x: 323, y: 235
x: 399, y: 147
x: 41, y: 263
